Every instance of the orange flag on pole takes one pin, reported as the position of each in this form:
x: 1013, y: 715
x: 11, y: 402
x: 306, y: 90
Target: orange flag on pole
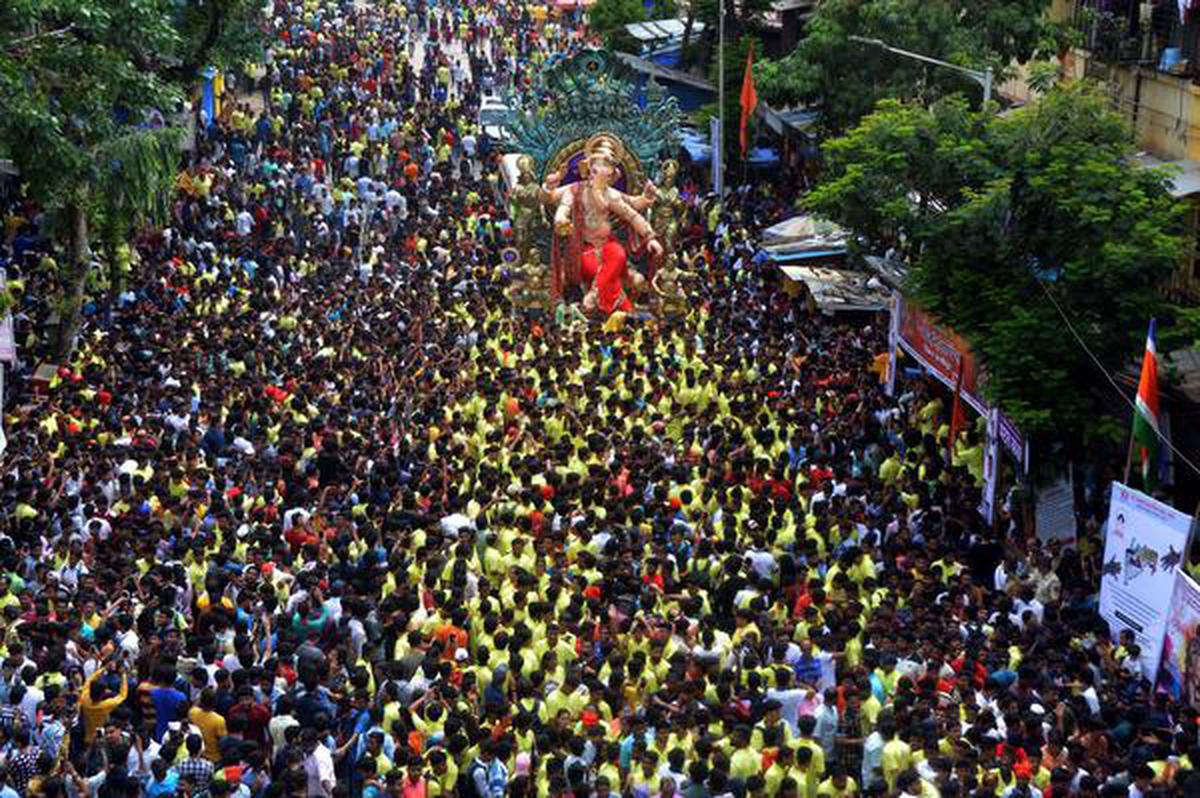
x: 958, y: 413
x: 749, y: 97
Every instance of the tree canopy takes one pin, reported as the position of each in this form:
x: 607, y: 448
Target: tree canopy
x: 608, y: 19
x: 1002, y: 218
x: 846, y: 79
x: 89, y: 90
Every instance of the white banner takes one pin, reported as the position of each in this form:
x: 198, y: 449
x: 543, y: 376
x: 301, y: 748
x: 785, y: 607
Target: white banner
x: 991, y: 461
x: 1144, y: 544
x: 8, y: 344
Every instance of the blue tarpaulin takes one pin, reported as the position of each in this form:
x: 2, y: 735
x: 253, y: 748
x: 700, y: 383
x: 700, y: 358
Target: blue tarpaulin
x: 698, y: 147
x: 208, y: 102
x: 763, y: 156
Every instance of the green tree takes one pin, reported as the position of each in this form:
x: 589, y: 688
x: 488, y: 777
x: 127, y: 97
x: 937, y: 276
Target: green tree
x: 846, y: 79
x: 608, y: 19
x: 79, y: 80
x: 1004, y: 221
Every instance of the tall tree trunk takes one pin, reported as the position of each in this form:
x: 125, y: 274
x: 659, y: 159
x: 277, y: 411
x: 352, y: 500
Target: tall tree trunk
x: 688, y: 23
x: 74, y: 275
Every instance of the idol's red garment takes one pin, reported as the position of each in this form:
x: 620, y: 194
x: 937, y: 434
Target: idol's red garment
x: 610, y: 274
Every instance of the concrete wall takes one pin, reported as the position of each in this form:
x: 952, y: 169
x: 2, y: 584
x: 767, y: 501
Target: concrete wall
x: 1164, y: 110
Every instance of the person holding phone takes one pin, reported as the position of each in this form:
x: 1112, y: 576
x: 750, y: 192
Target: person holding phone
x: 97, y: 701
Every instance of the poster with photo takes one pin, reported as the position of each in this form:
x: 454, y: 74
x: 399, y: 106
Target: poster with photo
x: 1179, y: 670
x: 1144, y: 544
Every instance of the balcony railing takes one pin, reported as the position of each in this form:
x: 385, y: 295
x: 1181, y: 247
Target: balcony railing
x: 1151, y: 33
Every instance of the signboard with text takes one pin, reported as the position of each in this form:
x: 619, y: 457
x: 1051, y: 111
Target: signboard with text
x: 940, y: 351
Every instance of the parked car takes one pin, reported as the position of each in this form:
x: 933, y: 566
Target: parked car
x: 493, y: 114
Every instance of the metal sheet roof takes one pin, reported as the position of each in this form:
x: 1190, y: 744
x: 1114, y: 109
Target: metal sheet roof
x: 836, y: 290
x: 661, y: 29
x: 1185, y: 175
x: 648, y: 67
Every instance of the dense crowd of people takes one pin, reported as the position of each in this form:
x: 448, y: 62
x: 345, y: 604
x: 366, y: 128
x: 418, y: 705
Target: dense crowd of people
x: 312, y: 511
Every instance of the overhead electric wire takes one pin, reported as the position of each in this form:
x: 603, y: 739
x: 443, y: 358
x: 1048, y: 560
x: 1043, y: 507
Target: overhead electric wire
x: 1124, y: 397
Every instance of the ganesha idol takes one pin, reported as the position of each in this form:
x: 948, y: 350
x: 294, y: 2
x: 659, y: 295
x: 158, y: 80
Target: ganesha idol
x: 586, y: 254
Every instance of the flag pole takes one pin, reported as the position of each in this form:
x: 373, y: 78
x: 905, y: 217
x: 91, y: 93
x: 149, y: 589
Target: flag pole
x: 1128, y: 458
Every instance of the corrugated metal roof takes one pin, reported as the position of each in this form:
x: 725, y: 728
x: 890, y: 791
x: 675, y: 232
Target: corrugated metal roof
x: 648, y: 67
x: 661, y: 29
x: 1185, y: 177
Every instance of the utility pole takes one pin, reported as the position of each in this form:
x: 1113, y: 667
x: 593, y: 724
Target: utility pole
x: 982, y: 77
x: 720, y: 182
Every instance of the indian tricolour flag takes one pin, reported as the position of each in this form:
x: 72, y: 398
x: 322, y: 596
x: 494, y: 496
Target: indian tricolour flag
x: 1145, y: 419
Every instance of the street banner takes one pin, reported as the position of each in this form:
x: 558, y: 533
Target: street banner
x: 1012, y: 439
x: 940, y: 351
x: 1179, y: 671
x: 1144, y: 544
x: 991, y: 458
x: 8, y: 343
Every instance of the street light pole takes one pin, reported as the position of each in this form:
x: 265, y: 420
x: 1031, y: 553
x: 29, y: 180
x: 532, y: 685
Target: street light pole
x: 983, y: 77
x: 720, y: 187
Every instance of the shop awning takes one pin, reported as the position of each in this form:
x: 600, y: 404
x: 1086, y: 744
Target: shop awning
x: 790, y: 121
x: 840, y: 290
x: 802, y: 238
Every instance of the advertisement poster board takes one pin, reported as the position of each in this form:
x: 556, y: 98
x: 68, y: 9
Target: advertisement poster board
x: 940, y: 351
x: 1144, y: 544
x: 1179, y: 671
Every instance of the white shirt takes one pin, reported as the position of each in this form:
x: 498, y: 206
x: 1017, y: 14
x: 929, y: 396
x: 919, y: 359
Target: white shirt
x: 789, y: 709
x: 30, y: 703
x: 1034, y: 606
x: 245, y: 223
x: 319, y: 766
x: 763, y: 563
x: 289, y: 517
x: 453, y: 523
x: 278, y: 726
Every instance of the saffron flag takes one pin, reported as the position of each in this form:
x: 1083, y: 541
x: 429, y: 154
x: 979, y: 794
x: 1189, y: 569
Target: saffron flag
x: 958, y: 413
x: 1145, y: 418
x: 749, y: 98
